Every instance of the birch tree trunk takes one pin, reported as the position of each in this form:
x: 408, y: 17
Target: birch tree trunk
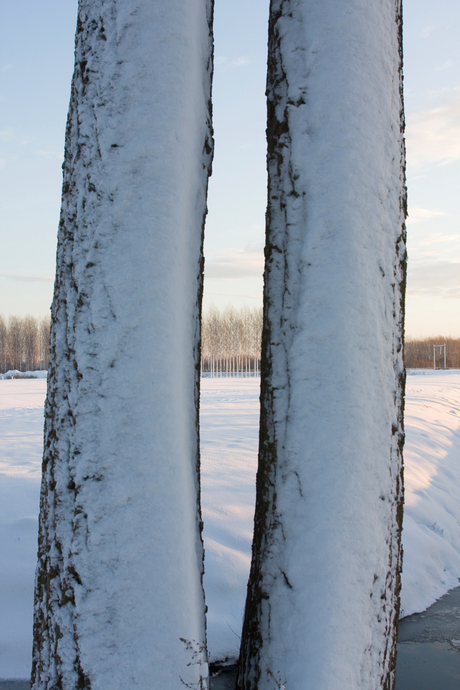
x: 323, y: 594
x: 119, y: 600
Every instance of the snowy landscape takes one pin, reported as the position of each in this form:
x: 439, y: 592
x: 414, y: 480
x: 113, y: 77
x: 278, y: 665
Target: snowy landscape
x: 229, y: 436
x: 124, y: 579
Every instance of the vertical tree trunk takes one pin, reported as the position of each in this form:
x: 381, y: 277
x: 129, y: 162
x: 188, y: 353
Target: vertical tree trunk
x: 119, y: 601
x: 323, y: 593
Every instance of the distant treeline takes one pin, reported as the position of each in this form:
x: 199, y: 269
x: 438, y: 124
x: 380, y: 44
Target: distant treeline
x: 24, y: 343
x: 419, y: 352
x: 231, y: 340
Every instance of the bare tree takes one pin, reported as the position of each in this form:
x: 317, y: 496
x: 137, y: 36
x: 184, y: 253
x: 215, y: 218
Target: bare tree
x: 44, y: 325
x: 30, y: 335
x: 3, y: 344
x: 323, y: 593
x: 15, y: 342
x: 119, y: 601
x: 231, y: 340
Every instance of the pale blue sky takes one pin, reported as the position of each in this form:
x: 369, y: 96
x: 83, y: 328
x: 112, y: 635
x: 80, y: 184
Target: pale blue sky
x: 36, y: 62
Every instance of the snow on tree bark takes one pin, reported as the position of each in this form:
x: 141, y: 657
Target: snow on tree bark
x: 323, y: 592
x: 119, y: 575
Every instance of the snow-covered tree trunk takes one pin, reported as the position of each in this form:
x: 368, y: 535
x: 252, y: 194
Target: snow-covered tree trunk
x: 323, y: 592
x: 119, y: 599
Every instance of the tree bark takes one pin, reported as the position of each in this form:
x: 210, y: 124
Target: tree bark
x: 119, y: 600
x: 323, y: 593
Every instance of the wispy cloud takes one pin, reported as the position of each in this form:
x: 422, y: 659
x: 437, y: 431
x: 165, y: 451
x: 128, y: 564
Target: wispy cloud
x: 28, y: 277
x: 49, y: 155
x: 223, y: 62
x: 239, y: 62
x: 441, y: 278
x: 233, y: 294
x: 433, y: 134
x: 236, y: 263
x: 6, y: 68
x: 418, y: 215
x: 9, y: 135
x: 436, y: 248
x: 439, y: 237
x: 428, y: 30
x: 437, y: 96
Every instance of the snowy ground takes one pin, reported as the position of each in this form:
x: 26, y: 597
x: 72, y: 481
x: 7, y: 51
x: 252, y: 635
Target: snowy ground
x: 431, y: 535
x: 229, y: 449
x: 21, y: 440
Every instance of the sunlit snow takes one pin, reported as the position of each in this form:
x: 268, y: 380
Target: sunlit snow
x: 229, y: 434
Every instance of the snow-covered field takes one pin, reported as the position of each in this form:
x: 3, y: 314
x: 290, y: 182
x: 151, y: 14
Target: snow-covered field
x: 229, y: 457
x: 431, y: 534
x: 21, y: 440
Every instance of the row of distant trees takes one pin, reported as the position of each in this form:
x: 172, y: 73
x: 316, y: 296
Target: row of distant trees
x: 24, y: 343
x: 231, y: 340
x: 419, y: 352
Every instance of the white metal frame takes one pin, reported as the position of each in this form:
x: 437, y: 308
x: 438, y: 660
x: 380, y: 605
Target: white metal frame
x: 434, y: 354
